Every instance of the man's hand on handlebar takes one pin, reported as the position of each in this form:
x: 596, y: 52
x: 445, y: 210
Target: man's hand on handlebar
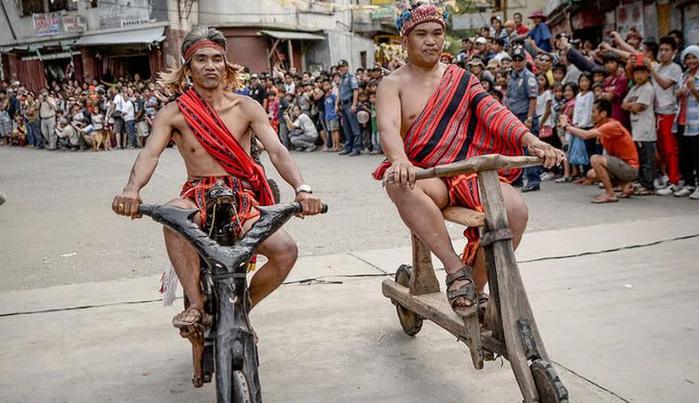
x: 126, y: 203
x: 311, y: 204
x: 550, y: 155
x: 400, y: 172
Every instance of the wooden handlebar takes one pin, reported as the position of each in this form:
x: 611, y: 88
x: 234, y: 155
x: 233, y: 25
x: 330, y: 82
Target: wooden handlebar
x: 477, y: 164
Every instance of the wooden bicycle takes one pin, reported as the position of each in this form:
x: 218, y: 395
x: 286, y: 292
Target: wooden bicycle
x: 509, y: 328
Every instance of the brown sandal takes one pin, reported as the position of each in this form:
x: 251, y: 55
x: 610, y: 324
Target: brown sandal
x: 466, y: 291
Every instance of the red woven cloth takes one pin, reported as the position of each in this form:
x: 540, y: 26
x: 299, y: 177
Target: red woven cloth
x: 462, y: 121
x: 219, y: 142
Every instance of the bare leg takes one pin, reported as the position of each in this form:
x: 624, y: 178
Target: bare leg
x: 185, y: 259
x: 599, y: 165
x: 420, y: 209
x: 336, y: 140
x: 324, y: 137
x: 281, y: 253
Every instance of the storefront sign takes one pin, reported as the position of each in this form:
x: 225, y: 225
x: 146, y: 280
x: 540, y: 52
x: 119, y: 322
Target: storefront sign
x: 47, y: 24
x: 73, y: 23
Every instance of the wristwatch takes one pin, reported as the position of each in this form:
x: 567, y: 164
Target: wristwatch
x: 303, y: 188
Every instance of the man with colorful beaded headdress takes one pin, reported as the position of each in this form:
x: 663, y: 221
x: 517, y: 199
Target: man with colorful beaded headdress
x: 430, y: 114
x: 212, y: 127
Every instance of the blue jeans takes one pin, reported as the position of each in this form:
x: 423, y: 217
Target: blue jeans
x: 34, y: 134
x: 350, y: 128
x: 131, y: 132
x: 533, y: 174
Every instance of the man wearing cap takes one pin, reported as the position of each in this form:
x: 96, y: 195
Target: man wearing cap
x: 540, y: 34
x: 212, y: 127
x: 431, y: 114
x: 347, y: 106
x: 481, y: 47
x: 522, y: 90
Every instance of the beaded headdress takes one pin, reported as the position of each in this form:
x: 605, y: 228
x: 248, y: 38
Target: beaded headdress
x: 422, y: 11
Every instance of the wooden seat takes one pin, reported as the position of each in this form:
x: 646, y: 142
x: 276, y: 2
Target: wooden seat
x: 464, y: 216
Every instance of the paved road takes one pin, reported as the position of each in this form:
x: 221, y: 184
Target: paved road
x: 57, y: 226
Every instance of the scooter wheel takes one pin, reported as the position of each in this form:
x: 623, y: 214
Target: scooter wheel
x: 409, y: 320
x: 548, y: 384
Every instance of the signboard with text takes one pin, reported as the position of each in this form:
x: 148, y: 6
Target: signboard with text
x: 47, y: 24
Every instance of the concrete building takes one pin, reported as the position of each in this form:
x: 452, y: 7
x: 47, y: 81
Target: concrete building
x: 45, y: 40
x: 652, y: 19
x: 305, y: 35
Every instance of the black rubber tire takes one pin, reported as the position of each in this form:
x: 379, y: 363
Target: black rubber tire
x: 409, y: 320
x: 548, y: 384
x: 241, y: 390
x: 275, y: 190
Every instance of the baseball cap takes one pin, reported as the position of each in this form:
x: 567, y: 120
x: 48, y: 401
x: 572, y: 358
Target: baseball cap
x: 481, y: 40
x: 517, y: 53
x: 342, y: 62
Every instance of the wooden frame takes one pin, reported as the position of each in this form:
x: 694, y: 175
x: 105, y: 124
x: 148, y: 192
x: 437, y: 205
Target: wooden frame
x: 509, y: 327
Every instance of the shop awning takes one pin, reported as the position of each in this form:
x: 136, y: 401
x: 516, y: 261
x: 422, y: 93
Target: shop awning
x: 140, y: 36
x: 294, y: 35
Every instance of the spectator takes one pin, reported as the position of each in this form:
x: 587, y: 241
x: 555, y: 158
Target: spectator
x: 620, y: 165
x: 47, y: 113
x: 332, y: 120
x: 666, y: 77
x: 522, y: 91
x: 128, y: 113
x: 303, y: 133
x: 520, y: 28
x: 540, y: 34
x: 348, y: 98
x: 5, y: 121
x: 639, y: 103
x: 688, y: 124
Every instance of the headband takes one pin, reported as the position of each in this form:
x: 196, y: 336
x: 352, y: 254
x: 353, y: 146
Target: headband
x: 204, y: 43
x: 418, y: 14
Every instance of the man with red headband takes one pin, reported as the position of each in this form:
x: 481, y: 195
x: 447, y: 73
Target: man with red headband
x: 430, y: 114
x: 212, y: 127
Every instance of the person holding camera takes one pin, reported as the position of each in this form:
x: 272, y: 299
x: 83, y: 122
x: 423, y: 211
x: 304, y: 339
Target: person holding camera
x: 303, y: 133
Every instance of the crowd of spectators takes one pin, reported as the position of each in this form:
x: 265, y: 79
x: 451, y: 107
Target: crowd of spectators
x: 625, y: 110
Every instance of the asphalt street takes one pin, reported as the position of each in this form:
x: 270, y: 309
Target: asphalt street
x: 57, y: 226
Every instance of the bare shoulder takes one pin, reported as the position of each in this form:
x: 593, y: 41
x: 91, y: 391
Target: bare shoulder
x: 391, y: 83
x: 247, y: 104
x: 168, y: 113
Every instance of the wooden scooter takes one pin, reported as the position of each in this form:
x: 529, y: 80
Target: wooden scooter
x: 509, y: 328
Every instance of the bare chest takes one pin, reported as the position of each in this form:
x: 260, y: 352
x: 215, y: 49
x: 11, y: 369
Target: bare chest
x: 414, y: 98
x: 191, y: 148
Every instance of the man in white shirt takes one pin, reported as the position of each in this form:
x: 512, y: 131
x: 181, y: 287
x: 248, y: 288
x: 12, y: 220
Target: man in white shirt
x: 303, y: 133
x: 118, y: 118
x: 665, y: 77
x: 128, y: 113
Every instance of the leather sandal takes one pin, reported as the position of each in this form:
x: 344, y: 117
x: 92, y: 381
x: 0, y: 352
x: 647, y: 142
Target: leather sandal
x: 467, y: 291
